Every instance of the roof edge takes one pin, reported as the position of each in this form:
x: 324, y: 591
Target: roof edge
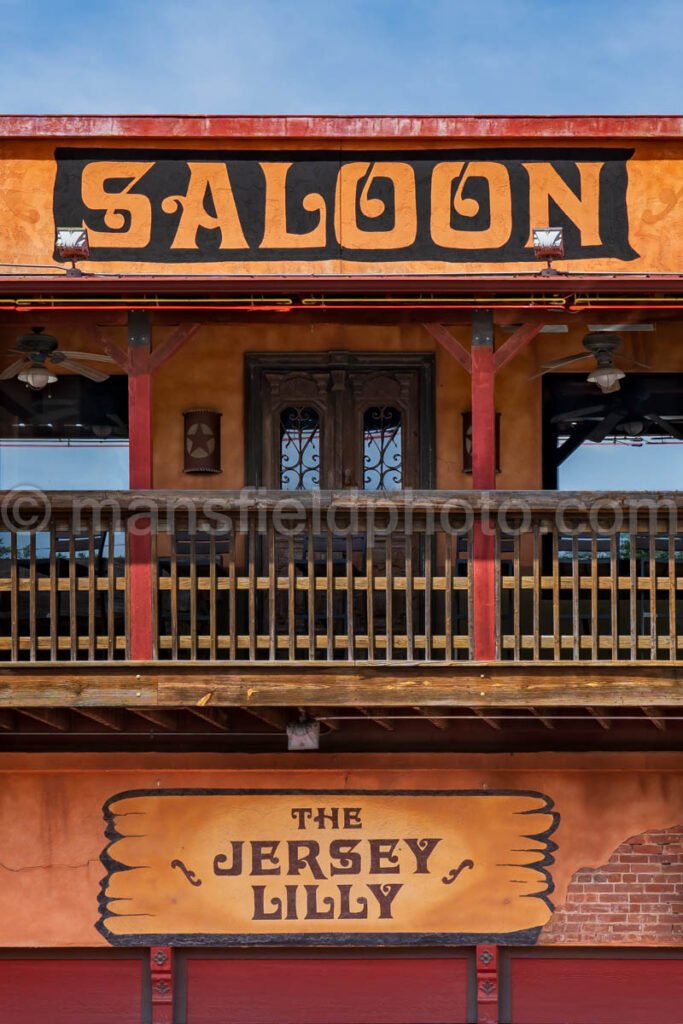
x: 352, y: 127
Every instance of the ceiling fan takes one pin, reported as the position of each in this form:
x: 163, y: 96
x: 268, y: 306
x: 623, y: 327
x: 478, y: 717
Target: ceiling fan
x: 38, y: 350
x: 602, y: 345
x: 637, y: 413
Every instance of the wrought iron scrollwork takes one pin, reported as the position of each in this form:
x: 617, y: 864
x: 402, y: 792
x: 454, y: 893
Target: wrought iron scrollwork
x: 299, y: 448
x: 382, y: 448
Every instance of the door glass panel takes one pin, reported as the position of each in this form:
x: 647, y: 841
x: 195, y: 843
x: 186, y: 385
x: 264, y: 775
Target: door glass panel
x: 299, y: 448
x: 382, y: 448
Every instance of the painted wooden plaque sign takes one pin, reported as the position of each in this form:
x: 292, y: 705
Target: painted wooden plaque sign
x: 325, y: 866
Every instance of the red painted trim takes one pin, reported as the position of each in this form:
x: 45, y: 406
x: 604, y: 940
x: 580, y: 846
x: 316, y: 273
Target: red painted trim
x: 487, y: 985
x: 483, y: 418
x: 173, y: 343
x: 371, y: 127
x: 140, y: 420
x: 162, y: 982
x: 566, y: 286
x: 484, y: 591
x: 450, y: 344
x: 515, y: 344
x: 140, y: 582
x: 483, y: 479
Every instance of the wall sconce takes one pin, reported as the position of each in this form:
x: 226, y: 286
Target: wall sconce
x: 202, y: 441
x: 467, y: 442
x: 303, y: 735
x: 72, y: 244
x: 548, y: 245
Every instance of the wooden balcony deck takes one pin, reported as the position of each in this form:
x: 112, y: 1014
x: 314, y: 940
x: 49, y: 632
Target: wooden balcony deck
x: 340, y: 584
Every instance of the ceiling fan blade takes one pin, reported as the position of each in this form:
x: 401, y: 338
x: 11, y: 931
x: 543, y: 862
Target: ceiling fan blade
x: 665, y: 425
x: 564, y: 360
x: 634, y: 362
x: 576, y: 414
x: 555, y: 364
x: 96, y: 357
x: 85, y: 371
x: 13, y: 369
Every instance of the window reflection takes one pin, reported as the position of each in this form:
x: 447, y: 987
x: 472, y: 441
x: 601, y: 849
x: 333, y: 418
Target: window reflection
x: 299, y: 448
x: 382, y: 449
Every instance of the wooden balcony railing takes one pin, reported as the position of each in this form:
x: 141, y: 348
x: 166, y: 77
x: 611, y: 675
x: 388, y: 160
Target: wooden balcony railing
x: 386, y: 578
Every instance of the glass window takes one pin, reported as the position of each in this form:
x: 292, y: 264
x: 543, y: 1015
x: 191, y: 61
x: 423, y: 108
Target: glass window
x: 299, y: 448
x: 71, y: 435
x: 382, y: 449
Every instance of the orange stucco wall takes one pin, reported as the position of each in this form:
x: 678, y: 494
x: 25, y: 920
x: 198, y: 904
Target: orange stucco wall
x: 50, y: 868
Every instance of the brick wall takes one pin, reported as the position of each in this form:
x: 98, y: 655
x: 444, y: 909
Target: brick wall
x: 637, y: 897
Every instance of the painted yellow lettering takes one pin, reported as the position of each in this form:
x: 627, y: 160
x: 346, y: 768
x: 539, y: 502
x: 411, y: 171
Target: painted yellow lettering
x: 127, y: 215
x: 499, y: 227
x: 351, y: 234
x: 276, y: 234
x: 583, y: 211
x: 206, y: 179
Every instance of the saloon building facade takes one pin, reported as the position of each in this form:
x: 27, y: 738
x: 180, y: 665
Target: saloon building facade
x: 341, y: 575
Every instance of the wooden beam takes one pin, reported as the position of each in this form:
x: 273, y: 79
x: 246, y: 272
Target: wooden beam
x: 439, y: 723
x: 515, y: 344
x: 602, y: 720
x: 110, y: 719
x: 451, y: 344
x: 168, y: 348
x: 55, y: 718
x: 140, y: 430
x: 163, y: 719
x: 483, y: 478
x: 112, y: 350
x: 261, y: 688
x: 657, y: 720
x: 321, y: 715
x: 271, y: 717
x: 217, y: 717
x: 486, y: 718
x: 374, y: 717
x: 542, y: 718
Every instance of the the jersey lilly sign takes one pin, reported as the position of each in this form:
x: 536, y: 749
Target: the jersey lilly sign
x: 207, y: 866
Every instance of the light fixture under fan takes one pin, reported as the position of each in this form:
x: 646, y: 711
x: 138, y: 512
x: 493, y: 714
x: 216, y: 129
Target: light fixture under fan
x: 40, y: 352
x: 602, y: 345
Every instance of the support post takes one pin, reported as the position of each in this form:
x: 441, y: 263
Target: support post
x: 161, y: 971
x: 140, y: 581
x: 483, y: 479
x: 487, y: 985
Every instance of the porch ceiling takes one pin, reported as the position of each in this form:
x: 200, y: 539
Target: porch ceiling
x: 342, y: 729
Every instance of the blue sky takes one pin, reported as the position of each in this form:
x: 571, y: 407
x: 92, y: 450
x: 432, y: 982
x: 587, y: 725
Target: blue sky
x: 341, y: 56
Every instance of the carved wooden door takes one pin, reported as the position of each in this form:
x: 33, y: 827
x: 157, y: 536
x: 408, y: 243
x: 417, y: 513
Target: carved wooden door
x: 329, y: 422
x: 340, y: 427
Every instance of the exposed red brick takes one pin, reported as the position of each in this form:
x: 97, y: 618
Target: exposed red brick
x: 637, y: 897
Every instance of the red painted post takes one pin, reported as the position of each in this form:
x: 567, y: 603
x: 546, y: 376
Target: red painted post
x: 483, y: 479
x: 140, y: 582
x: 487, y: 985
x: 161, y: 971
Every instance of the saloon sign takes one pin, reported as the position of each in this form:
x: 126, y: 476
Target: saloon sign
x: 419, y: 208
x: 333, y: 867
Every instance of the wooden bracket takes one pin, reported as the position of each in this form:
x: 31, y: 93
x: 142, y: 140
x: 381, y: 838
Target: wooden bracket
x: 487, y: 984
x: 507, y: 351
x: 161, y: 972
x: 451, y: 344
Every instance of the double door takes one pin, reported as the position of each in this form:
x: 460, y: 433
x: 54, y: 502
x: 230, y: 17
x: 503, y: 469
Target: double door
x: 338, y: 420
